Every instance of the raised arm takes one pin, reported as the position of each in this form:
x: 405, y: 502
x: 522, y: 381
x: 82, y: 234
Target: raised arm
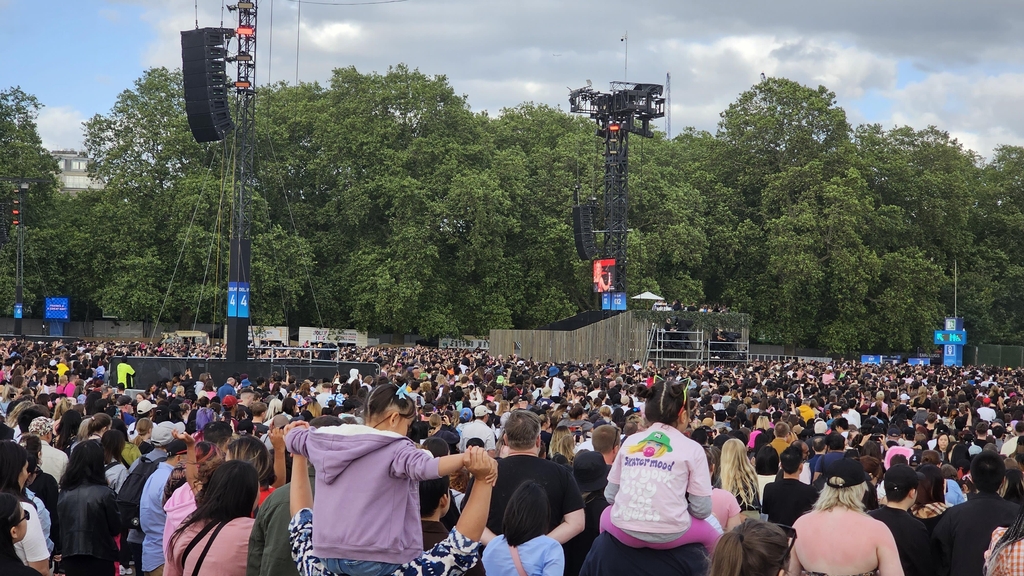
x: 280, y: 460
x: 191, y: 467
x: 473, y: 520
x: 301, y: 492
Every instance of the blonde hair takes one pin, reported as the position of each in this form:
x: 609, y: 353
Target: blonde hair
x: 273, y: 409
x: 737, y: 474
x: 83, y: 430
x: 763, y: 423
x: 434, y: 421
x: 63, y: 405
x: 13, y: 413
x: 142, y: 427
x: 314, y: 408
x: 562, y: 443
x: 851, y: 498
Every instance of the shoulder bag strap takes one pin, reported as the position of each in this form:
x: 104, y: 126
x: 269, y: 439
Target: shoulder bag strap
x: 206, y: 550
x: 195, y: 541
x: 515, y: 560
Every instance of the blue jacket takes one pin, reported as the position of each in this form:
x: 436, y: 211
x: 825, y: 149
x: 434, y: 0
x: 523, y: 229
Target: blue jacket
x: 225, y: 391
x: 152, y: 518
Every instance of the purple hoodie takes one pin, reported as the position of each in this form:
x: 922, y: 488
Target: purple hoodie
x: 367, y: 504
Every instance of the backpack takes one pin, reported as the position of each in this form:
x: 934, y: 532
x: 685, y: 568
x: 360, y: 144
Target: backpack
x: 130, y: 496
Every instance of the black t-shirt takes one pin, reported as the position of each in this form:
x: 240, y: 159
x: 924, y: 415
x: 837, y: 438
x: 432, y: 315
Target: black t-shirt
x: 14, y: 567
x: 576, y: 550
x: 787, y: 499
x: 911, y: 540
x: 609, y: 557
x: 563, y: 494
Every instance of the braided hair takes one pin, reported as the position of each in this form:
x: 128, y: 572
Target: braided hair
x: 1013, y: 534
x: 665, y: 400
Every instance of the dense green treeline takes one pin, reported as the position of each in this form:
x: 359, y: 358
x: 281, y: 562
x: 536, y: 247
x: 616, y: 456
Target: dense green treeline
x: 384, y: 203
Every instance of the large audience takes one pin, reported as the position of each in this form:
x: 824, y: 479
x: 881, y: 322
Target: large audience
x: 454, y: 461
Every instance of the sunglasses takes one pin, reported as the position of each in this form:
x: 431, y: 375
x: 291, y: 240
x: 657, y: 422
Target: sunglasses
x: 791, y: 536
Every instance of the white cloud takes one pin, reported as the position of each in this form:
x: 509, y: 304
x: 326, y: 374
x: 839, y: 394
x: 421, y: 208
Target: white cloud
x: 982, y: 111
x: 502, y: 54
x: 333, y: 36
x: 61, y: 128
x: 707, y: 77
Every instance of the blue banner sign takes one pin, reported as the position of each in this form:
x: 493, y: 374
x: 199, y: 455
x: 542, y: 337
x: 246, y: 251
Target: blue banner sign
x: 618, y: 300
x: 232, y: 299
x: 957, y: 337
x: 57, y: 308
x: 243, y: 299
x: 17, y: 310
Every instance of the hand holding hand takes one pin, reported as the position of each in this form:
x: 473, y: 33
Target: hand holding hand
x: 481, y: 466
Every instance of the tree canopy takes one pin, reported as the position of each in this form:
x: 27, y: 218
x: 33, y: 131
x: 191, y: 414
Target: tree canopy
x: 383, y: 202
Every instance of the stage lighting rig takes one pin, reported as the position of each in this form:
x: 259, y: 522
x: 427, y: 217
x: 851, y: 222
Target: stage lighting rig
x: 627, y: 109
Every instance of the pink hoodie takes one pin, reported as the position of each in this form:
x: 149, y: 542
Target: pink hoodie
x: 178, y: 507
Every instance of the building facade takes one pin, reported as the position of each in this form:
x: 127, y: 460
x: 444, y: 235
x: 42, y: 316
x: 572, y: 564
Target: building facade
x: 74, y: 172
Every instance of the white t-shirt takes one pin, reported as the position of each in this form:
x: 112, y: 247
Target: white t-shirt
x: 557, y: 386
x: 987, y: 414
x: 33, y: 547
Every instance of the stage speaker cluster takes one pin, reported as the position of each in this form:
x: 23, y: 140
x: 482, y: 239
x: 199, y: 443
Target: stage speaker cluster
x: 203, y: 56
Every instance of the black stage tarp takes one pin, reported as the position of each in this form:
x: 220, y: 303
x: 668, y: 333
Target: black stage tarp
x: 150, y: 370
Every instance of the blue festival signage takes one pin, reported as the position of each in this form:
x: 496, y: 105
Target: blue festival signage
x: 57, y: 308
x: 943, y: 337
x: 952, y: 340
x: 243, y: 299
x: 870, y: 359
x: 18, y: 310
x: 618, y: 300
x: 232, y: 299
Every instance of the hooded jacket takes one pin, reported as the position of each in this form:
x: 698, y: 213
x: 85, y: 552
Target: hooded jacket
x: 367, y: 504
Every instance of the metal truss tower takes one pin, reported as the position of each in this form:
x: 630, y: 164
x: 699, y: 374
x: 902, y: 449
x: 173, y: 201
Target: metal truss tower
x: 239, y: 265
x: 627, y: 109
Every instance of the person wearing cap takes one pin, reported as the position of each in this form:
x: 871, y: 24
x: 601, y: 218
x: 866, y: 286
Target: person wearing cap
x: 143, y: 410
x: 866, y: 544
x: 151, y: 507
x: 479, y: 429
x: 909, y: 533
x: 556, y: 384
x: 125, y: 411
x: 591, y: 473
x: 962, y: 535
x: 54, y: 462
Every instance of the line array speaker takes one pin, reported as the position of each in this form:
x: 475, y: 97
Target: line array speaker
x: 205, y: 80
x: 583, y: 231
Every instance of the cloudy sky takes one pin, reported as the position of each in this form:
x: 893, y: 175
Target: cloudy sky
x: 955, y: 64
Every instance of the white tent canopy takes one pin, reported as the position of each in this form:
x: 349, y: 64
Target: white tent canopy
x: 647, y: 296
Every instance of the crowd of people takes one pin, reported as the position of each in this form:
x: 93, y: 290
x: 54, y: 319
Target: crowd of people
x: 452, y: 462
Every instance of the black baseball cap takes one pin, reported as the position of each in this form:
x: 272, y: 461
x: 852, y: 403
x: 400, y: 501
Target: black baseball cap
x: 844, y: 473
x: 900, y: 479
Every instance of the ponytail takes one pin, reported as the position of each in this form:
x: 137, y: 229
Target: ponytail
x: 728, y: 558
x: 754, y: 548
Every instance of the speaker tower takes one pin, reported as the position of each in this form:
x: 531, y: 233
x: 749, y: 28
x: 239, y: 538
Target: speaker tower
x: 206, y: 92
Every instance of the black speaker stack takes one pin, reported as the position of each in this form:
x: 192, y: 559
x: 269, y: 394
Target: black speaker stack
x: 203, y: 56
x: 583, y: 231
